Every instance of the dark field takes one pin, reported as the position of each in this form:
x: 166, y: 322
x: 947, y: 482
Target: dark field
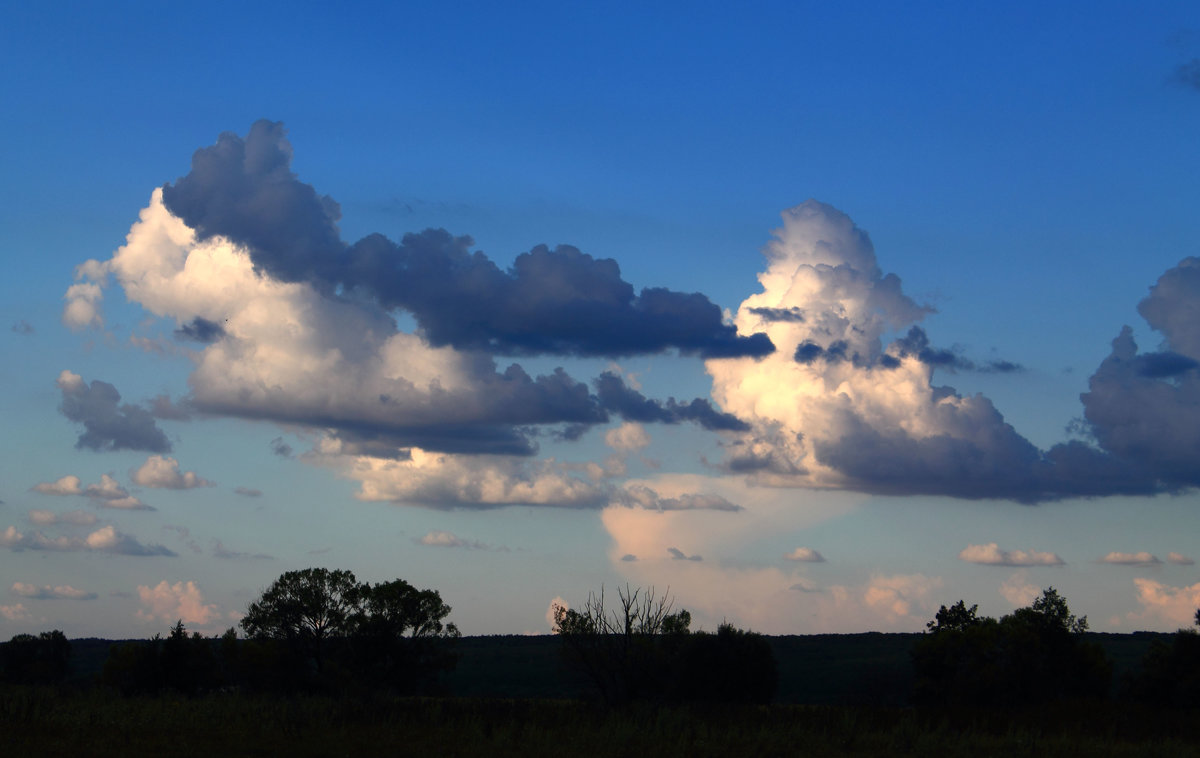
x: 839, y: 695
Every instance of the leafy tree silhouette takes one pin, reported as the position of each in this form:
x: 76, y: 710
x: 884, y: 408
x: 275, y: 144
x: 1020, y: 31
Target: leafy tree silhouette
x: 44, y: 659
x: 1035, y: 654
x: 1170, y: 673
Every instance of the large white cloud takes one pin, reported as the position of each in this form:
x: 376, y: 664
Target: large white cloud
x: 181, y: 601
x: 834, y: 406
x: 1163, y: 603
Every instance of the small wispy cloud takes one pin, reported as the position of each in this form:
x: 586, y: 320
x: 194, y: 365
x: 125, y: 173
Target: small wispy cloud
x: 1131, y: 559
x: 805, y: 555
x: 991, y: 555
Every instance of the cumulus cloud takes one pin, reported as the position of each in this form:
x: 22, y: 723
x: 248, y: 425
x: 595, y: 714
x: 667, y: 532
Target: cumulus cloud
x: 900, y: 595
x: 1180, y: 560
x: 1174, y: 605
x: 627, y: 437
x: 16, y: 612
x: 1131, y: 559
x: 1018, y: 590
x: 838, y: 405
x: 449, y: 539
x: 615, y: 396
x: 164, y: 473
x: 50, y: 518
x: 441, y: 480
x: 83, y: 306
x: 106, y: 539
x: 169, y: 603
x: 805, y: 555
x: 108, y: 425
x: 108, y: 493
x: 559, y: 301
x: 64, y: 592
x: 991, y: 555
x: 1144, y: 407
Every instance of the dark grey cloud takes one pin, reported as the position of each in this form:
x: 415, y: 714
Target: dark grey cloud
x: 108, y: 424
x: 281, y: 448
x: 916, y: 343
x: 618, y: 398
x: 23, y: 327
x: 679, y: 555
x: 791, y: 315
x: 200, y: 330
x: 557, y: 301
x: 629, y: 558
x: 644, y: 497
x: 103, y: 540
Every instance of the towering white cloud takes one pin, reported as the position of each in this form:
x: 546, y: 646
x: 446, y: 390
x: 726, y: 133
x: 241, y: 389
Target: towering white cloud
x: 181, y: 601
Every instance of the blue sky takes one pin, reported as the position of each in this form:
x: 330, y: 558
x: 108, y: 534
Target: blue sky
x: 1027, y: 172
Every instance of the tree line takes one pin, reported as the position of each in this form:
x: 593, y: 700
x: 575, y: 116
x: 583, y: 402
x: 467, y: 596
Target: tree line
x: 320, y: 630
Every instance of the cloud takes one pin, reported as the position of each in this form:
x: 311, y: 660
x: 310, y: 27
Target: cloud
x: 679, y: 555
x: 23, y: 328
x: 201, y: 330
x: 105, y: 539
x: 448, y: 539
x: 247, y: 492
x: 991, y: 555
x: 899, y: 595
x: 615, y: 396
x: 805, y: 555
x: 837, y: 406
x: 169, y: 603
x: 50, y: 518
x: 107, y: 424
x: 559, y: 301
x: 1174, y: 605
x: 441, y: 480
x: 107, y: 492
x: 557, y: 602
x: 627, y: 437
x: 164, y: 473
x: 162, y: 407
x: 64, y: 592
x: 628, y: 558
x: 83, y: 306
x: 641, y: 496
x: 1144, y: 408
x: 805, y: 585
x: 1131, y: 559
x: 220, y: 551
x: 1179, y: 559
x: 1017, y: 590
x: 16, y: 612
x: 281, y: 448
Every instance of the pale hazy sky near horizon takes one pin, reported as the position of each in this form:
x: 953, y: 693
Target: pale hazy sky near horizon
x: 821, y: 316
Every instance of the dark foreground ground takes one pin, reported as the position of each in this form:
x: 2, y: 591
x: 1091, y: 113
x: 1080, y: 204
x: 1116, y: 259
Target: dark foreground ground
x: 819, y: 669
x: 45, y: 723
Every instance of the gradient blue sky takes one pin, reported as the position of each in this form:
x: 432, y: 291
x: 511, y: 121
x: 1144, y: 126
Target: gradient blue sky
x: 1028, y: 171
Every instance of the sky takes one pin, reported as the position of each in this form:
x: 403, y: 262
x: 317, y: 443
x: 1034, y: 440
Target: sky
x: 815, y: 316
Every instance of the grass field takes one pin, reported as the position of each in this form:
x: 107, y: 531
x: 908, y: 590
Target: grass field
x: 45, y: 723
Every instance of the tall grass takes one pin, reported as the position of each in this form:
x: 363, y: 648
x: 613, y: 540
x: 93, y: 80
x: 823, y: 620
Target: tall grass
x: 44, y: 722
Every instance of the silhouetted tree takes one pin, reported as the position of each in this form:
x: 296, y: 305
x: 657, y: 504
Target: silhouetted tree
x: 44, y: 659
x: 731, y: 666
x: 390, y: 634
x: 181, y: 662
x: 625, y: 652
x: 399, y: 637
x: 1032, y: 655
x: 305, y: 608
x: 1170, y: 672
